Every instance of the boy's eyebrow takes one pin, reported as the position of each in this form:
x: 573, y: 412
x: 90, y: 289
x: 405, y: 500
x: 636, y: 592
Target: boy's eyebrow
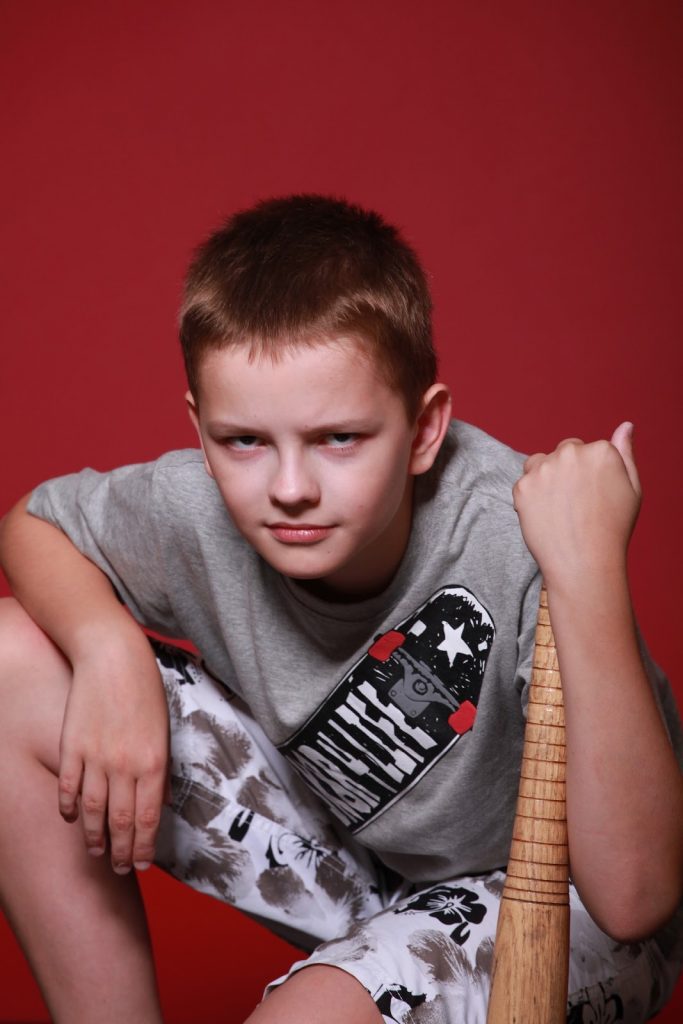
x: 343, y: 424
x: 223, y: 427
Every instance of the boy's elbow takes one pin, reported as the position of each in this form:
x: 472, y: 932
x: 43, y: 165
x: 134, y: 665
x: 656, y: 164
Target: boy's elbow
x: 4, y: 528
x: 628, y: 927
x: 11, y: 524
x: 638, y: 910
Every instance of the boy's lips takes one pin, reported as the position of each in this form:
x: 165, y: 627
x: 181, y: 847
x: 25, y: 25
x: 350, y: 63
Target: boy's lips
x: 299, y: 533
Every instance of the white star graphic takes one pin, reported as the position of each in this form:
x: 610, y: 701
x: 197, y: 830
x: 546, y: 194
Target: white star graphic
x: 453, y: 642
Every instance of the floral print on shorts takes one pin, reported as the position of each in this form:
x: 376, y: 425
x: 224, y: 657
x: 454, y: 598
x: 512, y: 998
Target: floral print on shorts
x: 245, y: 828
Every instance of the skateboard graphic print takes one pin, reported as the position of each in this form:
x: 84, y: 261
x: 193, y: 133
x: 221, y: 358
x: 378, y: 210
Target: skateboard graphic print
x: 403, y: 705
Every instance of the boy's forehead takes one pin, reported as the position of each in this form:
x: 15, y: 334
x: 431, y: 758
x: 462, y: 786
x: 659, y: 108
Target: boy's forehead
x: 343, y: 366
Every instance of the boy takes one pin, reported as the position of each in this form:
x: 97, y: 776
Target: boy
x: 344, y: 759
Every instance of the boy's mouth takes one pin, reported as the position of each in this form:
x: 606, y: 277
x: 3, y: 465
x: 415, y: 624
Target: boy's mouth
x: 299, y: 533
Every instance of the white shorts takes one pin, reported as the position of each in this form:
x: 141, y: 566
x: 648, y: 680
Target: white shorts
x: 245, y: 828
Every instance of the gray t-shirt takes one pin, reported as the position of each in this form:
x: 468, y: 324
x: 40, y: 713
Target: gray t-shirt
x: 403, y: 712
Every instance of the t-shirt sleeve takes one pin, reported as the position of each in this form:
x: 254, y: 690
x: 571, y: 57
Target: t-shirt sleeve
x: 113, y: 518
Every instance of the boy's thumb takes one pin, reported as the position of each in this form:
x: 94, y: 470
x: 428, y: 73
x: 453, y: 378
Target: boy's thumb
x: 622, y: 439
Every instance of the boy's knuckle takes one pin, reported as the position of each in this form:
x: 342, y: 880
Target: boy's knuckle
x: 519, y: 490
x: 156, y: 764
x: 151, y: 766
x: 67, y: 786
x: 148, y: 818
x: 92, y: 804
x: 118, y: 765
x: 121, y: 821
x: 605, y: 450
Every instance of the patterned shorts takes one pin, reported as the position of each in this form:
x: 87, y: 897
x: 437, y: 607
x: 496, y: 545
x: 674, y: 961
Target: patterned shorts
x: 244, y: 828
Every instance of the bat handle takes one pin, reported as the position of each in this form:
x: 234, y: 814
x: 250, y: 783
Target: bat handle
x: 531, y: 954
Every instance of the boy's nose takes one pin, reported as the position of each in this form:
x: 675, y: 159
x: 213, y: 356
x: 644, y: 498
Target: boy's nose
x: 293, y: 483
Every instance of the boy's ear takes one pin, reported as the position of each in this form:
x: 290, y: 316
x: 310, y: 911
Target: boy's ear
x: 430, y: 428
x: 194, y: 418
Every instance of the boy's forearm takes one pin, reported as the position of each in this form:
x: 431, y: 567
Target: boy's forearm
x: 577, y: 507
x: 113, y: 752
x: 624, y: 787
x: 62, y: 590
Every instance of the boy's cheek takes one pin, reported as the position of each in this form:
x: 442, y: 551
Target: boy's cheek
x: 238, y: 504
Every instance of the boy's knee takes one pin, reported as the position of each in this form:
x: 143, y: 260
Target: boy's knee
x: 34, y: 680
x: 22, y: 642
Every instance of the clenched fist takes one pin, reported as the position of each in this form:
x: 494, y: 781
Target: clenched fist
x: 578, y: 505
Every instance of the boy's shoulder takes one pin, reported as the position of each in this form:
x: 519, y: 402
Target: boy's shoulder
x: 176, y: 478
x: 180, y: 468
x: 181, y: 484
x: 472, y: 461
x: 180, y: 460
x: 171, y: 490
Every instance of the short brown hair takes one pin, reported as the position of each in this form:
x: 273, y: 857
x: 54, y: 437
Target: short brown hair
x: 300, y: 268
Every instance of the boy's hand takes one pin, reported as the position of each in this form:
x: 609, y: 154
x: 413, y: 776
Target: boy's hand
x: 114, y: 752
x: 578, y: 505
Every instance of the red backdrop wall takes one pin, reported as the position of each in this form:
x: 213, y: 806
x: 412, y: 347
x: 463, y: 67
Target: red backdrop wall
x: 532, y: 153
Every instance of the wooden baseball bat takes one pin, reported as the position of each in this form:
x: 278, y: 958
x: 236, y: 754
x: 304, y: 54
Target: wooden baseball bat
x: 531, y: 953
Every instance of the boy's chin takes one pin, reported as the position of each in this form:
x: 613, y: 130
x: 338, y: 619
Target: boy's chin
x: 296, y: 563
x: 332, y: 579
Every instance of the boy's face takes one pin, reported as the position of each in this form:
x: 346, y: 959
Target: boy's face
x: 314, y: 457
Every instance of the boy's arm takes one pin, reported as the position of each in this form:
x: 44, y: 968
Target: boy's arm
x: 577, y: 507
x: 114, y: 744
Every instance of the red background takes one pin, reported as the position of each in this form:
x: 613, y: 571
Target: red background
x: 532, y: 152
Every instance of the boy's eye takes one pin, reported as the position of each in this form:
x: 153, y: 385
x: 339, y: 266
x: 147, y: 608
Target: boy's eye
x: 242, y: 443
x: 340, y: 440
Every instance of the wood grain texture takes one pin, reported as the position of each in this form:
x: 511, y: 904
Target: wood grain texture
x: 531, y: 956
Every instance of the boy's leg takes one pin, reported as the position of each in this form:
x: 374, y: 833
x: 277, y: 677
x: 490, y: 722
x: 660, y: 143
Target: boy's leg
x: 81, y: 926
x: 427, y: 959
x: 329, y: 996
x: 243, y: 826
